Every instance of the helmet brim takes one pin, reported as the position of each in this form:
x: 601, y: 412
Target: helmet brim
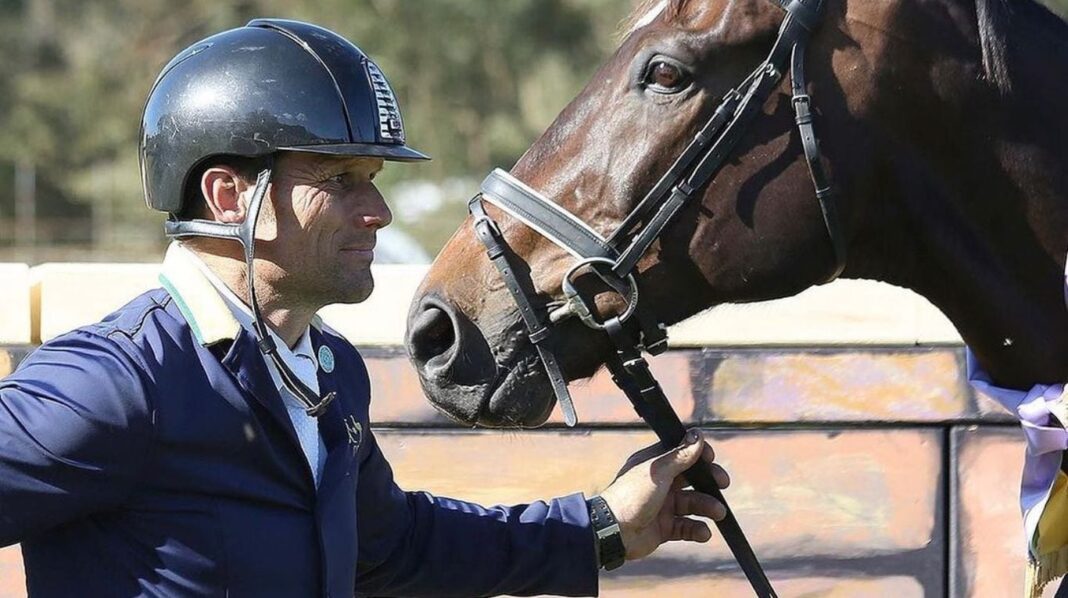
x: 393, y: 153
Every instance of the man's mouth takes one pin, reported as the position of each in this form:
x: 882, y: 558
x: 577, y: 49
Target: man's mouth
x: 363, y: 252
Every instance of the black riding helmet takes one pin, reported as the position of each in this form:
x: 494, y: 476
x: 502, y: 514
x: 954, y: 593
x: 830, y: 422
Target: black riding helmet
x: 268, y: 86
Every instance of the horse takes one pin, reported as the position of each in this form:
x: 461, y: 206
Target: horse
x: 938, y: 122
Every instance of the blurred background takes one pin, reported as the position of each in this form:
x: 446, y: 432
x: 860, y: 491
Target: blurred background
x: 478, y: 80
x: 865, y: 464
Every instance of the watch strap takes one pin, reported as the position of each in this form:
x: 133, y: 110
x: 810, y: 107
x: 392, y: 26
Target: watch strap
x: 610, y: 550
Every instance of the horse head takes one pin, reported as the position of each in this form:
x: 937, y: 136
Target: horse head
x: 891, y: 82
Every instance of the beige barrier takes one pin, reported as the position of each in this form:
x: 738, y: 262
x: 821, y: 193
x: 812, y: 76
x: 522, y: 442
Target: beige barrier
x: 844, y: 312
x: 382, y: 319
x: 67, y: 296
x: 15, y: 325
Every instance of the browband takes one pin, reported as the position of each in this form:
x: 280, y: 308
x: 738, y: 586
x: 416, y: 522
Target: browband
x: 548, y: 218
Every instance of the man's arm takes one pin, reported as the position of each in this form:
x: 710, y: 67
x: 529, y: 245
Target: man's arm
x: 75, y: 431
x: 415, y: 544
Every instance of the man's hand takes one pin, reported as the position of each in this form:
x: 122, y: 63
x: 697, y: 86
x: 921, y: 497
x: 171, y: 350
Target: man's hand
x: 649, y: 501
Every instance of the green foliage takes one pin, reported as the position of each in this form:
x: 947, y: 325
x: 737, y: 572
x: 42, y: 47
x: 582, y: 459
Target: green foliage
x: 478, y: 80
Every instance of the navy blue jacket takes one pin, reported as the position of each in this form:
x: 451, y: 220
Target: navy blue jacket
x: 150, y: 454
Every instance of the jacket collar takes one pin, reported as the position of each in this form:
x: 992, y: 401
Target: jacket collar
x: 208, y: 315
x: 203, y: 308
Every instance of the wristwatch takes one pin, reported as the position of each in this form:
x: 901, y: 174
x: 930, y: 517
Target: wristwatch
x: 610, y: 550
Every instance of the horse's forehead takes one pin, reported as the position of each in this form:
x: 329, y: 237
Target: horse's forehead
x: 650, y: 16
x: 700, y: 15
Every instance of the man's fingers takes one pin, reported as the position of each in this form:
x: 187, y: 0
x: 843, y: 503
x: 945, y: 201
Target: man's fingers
x: 708, y: 457
x: 692, y: 502
x: 678, y: 460
x: 690, y: 530
x: 723, y: 479
x: 679, y: 483
x: 707, y: 454
x: 720, y: 475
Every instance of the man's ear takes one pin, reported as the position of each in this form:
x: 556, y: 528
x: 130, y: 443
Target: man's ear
x: 224, y: 191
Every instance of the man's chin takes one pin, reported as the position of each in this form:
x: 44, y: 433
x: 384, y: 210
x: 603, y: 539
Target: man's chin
x: 357, y: 292
x: 346, y: 283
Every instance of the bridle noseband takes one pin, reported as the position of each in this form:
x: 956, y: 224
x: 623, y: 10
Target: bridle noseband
x: 614, y: 258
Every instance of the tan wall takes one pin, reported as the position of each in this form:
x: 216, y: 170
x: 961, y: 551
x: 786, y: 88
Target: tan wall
x: 15, y: 327
x: 843, y: 312
x: 863, y: 464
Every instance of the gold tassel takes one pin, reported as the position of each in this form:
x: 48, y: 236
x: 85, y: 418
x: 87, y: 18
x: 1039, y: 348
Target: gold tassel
x: 1043, y: 570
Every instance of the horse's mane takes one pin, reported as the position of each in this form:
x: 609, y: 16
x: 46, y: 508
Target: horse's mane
x: 993, y: 18
x: 998, y: 22
x: 1001, y: 22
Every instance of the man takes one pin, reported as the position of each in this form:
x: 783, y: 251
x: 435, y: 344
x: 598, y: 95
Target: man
x: 211, y: 437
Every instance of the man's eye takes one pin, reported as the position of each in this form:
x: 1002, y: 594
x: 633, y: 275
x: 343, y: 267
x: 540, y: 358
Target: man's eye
x: 338, y: 179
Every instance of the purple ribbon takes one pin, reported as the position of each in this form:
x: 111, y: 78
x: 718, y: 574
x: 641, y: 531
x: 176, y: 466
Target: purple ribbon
x: 1044, y: 430
x: 1046, y: 438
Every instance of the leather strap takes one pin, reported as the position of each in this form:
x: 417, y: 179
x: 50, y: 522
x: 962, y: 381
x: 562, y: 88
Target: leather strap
x: 568, y: 231
x: 641, y: 242
x: 538, y: 331
x: 706, y: 168
x: 611, y: 553
x: 541, y: 214
x: 795, y: 29
x: 802, y: 13
x: 824, y: 193
x: 631, y: 373
x: 700, y: 142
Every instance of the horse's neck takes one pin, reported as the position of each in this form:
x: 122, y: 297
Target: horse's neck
x: 979, y: 224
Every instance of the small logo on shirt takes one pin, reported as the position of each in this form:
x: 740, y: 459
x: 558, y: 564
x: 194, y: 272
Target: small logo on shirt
x: 355, y: 430
x: 326, y: 359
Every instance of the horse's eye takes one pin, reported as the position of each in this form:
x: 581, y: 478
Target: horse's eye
x: 665, y: 76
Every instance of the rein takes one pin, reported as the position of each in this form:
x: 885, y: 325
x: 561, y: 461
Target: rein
x: 614, y: 259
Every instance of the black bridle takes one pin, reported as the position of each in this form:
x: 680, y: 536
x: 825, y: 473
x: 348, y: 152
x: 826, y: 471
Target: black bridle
x: 613, y: 259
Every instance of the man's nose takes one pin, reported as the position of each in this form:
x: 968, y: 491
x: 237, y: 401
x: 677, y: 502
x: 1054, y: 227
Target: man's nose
x: 378, y: 213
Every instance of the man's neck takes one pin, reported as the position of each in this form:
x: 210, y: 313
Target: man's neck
x: 287, y: 318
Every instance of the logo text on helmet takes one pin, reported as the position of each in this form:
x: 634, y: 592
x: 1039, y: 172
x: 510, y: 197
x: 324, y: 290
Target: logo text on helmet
x: 390, y: 126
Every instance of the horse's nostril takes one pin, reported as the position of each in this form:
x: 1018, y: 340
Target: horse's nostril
x: 432, y: 335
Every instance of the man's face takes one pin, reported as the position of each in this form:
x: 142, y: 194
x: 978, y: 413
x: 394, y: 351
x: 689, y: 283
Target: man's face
x: 322, y: 236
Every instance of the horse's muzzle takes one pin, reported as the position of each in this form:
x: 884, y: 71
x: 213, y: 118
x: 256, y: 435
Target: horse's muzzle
x: 460, y: 374
x: 433, y: 337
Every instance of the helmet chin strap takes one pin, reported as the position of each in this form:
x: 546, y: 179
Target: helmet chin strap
x: 245, y: 234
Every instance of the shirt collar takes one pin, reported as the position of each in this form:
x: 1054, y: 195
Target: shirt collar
x: 213, y: 311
